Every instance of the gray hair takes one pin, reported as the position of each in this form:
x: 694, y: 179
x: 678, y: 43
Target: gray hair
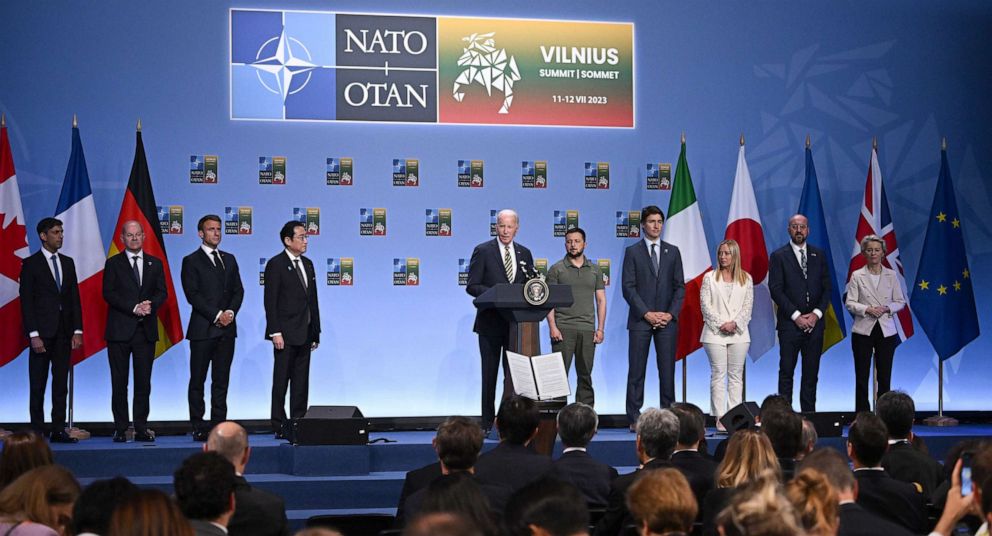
x: 810, y: 437
x: 658, y: 430
x: 508, y: 212
x: 577, y: 423
x: 874, y: 238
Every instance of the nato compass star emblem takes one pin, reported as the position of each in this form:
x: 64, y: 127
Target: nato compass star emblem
x: 283, y: 65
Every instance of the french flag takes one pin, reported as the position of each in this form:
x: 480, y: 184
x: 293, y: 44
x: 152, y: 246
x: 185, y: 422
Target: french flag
x: 82, y: 242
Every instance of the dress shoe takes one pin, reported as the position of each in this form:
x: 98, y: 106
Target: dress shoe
x: 199, y: 435
x: 280, y: 435
x: 62, y: 437
x: 146, y: 436
x: 120, y: 437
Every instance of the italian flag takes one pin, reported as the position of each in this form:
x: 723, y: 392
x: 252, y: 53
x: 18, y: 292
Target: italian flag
x: 684, y: 229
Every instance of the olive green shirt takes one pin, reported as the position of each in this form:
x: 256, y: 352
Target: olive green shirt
x: 585, y: 281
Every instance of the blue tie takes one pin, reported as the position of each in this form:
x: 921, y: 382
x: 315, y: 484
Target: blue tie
x: 58, y: 276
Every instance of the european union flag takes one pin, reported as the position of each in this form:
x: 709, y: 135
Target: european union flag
x: 943, y: 298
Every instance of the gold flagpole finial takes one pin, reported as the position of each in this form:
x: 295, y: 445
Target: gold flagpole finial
x: 75, y: 121
x: 139, y: 124
x: 3, y: 120
x: 807, y: 141
x: 683, y: 137
x: 874, y: 143
x: 742, y: 139
x: 943, y: 144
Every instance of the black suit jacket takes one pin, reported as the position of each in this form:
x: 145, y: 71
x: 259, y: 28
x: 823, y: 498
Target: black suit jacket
x: 906, y: 463
x: 257, y: 512
x: 856, y: 521
x: 485, y: 270
x: 415, y: 481
x: 896, y: 501
x: 643, y: 291
x: 205, y: 528
x: 287, y: 301
x: 590, y: 475
x: 698, y: 470
x: 789, y: 289
x: 210, y: 290
x: 513, y: 466
x: 44, y: 308
x: 496, y: 495
x: 617, y: 516
x: 121, y: 292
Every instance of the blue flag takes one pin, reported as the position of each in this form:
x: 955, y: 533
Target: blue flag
x: 943, y: 297
x: 811, y: 206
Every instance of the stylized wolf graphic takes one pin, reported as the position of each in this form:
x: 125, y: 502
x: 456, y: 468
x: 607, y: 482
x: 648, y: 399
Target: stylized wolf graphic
x: 487, y: 66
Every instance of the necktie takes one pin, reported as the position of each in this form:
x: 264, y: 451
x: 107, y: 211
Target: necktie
x: 134, y: 266
x: 218, y: 263
x: 299, y: 272
x: 802, y: 260
x: 58, y: 276
x: 654, y: 258
x: 508, y: 263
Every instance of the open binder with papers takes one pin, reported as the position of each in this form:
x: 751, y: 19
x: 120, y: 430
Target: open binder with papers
x: 541, y: 377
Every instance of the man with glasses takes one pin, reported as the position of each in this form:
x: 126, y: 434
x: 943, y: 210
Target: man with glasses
x: 292, y: 323
x: 799, y: 281
x: 134, y: 288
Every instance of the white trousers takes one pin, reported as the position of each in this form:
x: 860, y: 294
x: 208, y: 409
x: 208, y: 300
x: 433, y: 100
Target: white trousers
x: 726, y: 375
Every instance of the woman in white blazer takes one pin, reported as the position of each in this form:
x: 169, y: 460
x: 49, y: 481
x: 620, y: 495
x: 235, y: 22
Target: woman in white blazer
x: 726, y: 298
x: 874, y: 296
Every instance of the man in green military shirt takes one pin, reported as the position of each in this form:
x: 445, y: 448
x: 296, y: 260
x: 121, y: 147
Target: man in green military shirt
x: 574, y: 330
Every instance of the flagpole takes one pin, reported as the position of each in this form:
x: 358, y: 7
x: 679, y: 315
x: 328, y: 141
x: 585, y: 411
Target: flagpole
x: 77, y: 433
x: 685, y: 378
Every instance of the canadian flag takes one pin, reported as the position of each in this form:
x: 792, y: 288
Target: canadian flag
x: 13, y: 248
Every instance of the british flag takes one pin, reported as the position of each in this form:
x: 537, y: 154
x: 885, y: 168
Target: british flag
x: 876, y: 219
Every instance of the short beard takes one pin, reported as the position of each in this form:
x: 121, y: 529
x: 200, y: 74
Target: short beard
x: 576, y: 256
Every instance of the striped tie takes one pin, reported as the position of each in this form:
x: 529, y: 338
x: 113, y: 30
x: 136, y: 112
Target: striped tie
x: 508, y: 263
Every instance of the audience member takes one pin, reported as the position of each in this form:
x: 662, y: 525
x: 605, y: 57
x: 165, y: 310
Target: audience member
x: 91, y: 514
x: 749, y: 455
x: 784, y: 429
x: 39, y: 503
x: 547, y: 507
x: 903, y: 461
x: 149, y: 512
x: 661, y: 503
x: 512, y: 463
x: 318, y: 531
x: 457, y: 493
x: 22, y: 451
x: 810, y: 437
x: 854, y: 520
x: 958, y: 506
x: 657, y: 435
x: 815, y: 502
x: 698, y: 469
x: 760, y: 509
x: 577, y: 424
x: 771, y: 402
x: 204, y: 486
x: 256, y: 512
x: 878, y: 492
x: 440, y: 524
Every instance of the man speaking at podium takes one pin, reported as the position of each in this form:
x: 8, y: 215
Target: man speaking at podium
x: 495, y: 262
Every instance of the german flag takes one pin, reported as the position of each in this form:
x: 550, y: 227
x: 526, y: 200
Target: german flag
x: 139, y: 205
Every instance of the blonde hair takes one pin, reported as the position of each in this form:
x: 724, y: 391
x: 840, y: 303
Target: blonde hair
x: 663, y: 501
x: 736, y: 272
x: 33, y: 494
x: 760, y: 509
x: 816, y: 502
x: 749, y: 454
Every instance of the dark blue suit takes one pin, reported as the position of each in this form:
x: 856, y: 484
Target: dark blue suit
x: 485, y: 270
x: 792, y: 292
x: 647, y: 289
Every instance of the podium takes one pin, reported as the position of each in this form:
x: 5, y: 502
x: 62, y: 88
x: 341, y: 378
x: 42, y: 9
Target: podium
x: 524, y: 320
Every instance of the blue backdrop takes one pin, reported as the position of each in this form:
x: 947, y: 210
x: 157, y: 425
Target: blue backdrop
x: 842, y: 72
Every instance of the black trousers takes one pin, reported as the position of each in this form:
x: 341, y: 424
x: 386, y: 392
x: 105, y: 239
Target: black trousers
x: 290, y: 371
x: 215, y: 354
x: 119, y: 354
x: 492, y: 350
x: 639, y: 343
x: 791, y: 343
x: 56, y: 357
x: 863, y: 346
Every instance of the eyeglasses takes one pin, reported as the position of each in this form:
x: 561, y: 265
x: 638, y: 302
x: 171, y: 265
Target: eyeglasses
x: 301, y: 237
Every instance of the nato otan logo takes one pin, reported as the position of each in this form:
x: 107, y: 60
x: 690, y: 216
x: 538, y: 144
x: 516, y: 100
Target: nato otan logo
x: 463, y: 272
x: 309, y: 217
x: 340, y: 172
x: 372, y: 222
x: 534, y: 174
x: 261, y: 270
x: 203, y: 169
x: 237, y: 220
x: 272, y: 170
x: 406, y: 272
x: 597, y: 176
x: 470, y: 173
x: 484, y: 64
x: 406, y: 172
x: 565, y: 220
x: 492, y: 222
x: 438, y: 222
x: 170, y: 219
x: 341, y: 271
x: 628, y: 224
x: 659, y: 176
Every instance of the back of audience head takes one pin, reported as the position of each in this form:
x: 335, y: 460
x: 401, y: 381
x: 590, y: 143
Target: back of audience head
x: 662, y: 502
x: 441, y: 524
x: 832, y: 465
x: 809, y: 438
x: 458, y: 493
x: 867, y: 440
x: 318, y: 531
x: 22, y: 451
x: 815, y: 501
x: 657, y: 433
x: 517, y: 420
x: 774, y: 402
x: 149, y: 512
x: 97, y: 502
x: 760, y: 509
x: 204, y: 486
x: 692, y: 424
x: 577, y: 424
x: 458, y: 442
x: 784, y: 429
x: 897, y: 411
x: 981, y: 473
x: 547, y: 507
x: 230, y: 440
x: 43, y: 495
x: 749, y: 454
x: 959, y: 448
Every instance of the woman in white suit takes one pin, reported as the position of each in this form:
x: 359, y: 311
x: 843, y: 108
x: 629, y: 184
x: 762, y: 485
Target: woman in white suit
x: 726, y: 298
x: 874, y: 296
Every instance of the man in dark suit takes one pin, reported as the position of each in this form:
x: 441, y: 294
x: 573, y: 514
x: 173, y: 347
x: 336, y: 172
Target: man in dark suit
x: 653, y: 287
x: 256, y: 511
x: 512, y: 463
x: 698, y: 470
x: 899, y: 502
x: 799, y: 281
x: 903, y: 461
x: 134, y: 289
x: 53, y: 322
x: 204, y: 486
x: 212, y: 284
x: 657, y: 435
x: 494, y: 262
x: 577, y: 424
x: 292, y: 323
